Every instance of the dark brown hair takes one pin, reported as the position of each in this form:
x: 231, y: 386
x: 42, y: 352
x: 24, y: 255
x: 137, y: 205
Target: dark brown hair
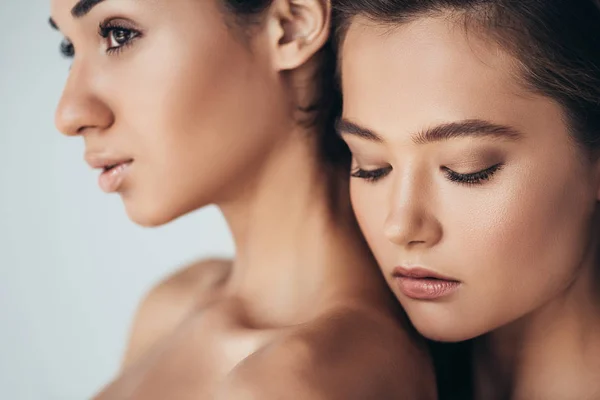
x: 326, y: 108
x: 557, y: 43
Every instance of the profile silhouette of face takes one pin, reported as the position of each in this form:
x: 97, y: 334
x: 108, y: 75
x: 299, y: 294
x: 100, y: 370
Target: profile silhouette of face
x: 172, y: 87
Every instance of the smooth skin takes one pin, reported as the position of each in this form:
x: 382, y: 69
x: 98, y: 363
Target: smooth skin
x: 459, y: 168
x: 209, y: 114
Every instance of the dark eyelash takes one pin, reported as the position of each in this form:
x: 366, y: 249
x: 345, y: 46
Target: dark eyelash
x: 67, y: 49
x: 371, y: 175
x: 105, y: 29
x: 475, y: 178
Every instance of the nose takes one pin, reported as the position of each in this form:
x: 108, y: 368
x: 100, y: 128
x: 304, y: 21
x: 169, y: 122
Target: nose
x: 411, y: 221
x: 80, y: 107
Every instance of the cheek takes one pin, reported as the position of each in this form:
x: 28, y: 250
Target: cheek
x: 370, y: 207
x: 181, y: 90
x: 189, y: 131
x: 520, y: 243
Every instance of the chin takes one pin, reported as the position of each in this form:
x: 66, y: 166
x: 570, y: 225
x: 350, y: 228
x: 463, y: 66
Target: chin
x: 445, y: 335
x: 159, y: 205
x: 151, y: 214
x: 444, y: 327
x: 148, y: 220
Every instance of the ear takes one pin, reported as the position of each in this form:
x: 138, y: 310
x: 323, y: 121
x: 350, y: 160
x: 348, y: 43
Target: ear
x: 297, y: 29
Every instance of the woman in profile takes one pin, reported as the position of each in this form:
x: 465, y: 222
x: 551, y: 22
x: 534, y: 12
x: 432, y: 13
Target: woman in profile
x: 475, y: 128
x: 185, y: 103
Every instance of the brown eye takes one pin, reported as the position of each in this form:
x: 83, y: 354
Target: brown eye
x: 117, y: 36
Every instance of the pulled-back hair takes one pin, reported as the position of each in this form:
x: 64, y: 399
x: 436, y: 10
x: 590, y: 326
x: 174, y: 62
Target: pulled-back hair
x: 556, y: 44
x: 326, y: 107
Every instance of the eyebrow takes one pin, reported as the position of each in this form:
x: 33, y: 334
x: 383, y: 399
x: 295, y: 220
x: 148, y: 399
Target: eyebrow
x: 79, y: 10
x: 345, y: 126
x: 83, y: 7
x: 442, y: 132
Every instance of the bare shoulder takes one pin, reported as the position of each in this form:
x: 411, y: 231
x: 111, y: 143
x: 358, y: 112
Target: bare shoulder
x: 169, y: 302
x: 346, y: 354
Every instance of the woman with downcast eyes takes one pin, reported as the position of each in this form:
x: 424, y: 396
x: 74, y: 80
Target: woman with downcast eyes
x: 474, y: 127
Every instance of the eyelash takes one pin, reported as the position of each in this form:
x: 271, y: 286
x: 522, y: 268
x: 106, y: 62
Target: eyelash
x: 371, y: 175
x: 474, y: 178
x: 66, y: 49
x: 471, y: 179
x: 106, y: 30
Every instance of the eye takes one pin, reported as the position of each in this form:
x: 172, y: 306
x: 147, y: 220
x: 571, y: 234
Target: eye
x: 371, y: 175
x: 474, y: 178
x: 117, y: 36
x: 67, y: 49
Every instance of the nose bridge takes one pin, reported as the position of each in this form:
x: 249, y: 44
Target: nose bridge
x: 68, y: 109
x: 411, y: 219
x: 406, y: 198
x: 408, y: 189
x: 80, y: 106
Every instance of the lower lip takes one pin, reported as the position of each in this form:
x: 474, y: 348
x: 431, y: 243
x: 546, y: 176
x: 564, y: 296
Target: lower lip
x: 426, y: 288
x: 110, y: 181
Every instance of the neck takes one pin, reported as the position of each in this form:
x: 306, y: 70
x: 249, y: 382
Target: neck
x: 546, y: 351
x: 294, y: 256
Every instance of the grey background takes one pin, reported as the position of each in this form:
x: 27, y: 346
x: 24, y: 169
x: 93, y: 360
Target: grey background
x: 72, y: 266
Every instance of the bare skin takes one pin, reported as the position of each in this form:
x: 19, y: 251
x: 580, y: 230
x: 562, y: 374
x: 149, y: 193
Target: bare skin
x: 171, y: 302
x: 194, y: 113
x: 179, y: 308
x: 507, y: 215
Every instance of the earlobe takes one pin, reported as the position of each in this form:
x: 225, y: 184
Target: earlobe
x: 297, y: 30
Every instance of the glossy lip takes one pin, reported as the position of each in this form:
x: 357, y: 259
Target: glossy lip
x: 423, y: 284
x: 105, y: 160
x: 114, y: 169
x: 418, y: 272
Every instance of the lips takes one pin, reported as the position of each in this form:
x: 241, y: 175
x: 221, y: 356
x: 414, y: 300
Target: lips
x: 111, y: 166
x: 424, y: 284
x: 105, y: 162
x: 114, y: 169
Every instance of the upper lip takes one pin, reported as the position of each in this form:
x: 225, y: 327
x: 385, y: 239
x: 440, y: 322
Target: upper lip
x: 104, y: 160
x: 419, y: 272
